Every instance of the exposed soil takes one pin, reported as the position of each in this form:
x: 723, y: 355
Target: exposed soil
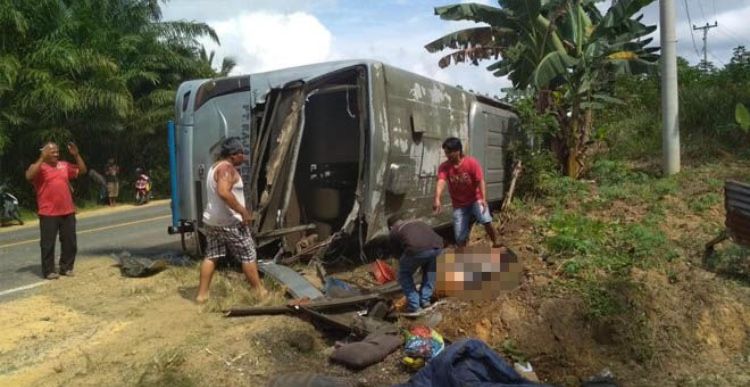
x: 99, y: 328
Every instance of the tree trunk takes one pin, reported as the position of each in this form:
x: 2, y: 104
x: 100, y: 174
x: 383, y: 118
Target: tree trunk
x: 579, y: 133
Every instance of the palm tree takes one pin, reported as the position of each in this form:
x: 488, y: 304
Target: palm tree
x: 567, y: 51
x: 228, y: 63
x: 93, y: 70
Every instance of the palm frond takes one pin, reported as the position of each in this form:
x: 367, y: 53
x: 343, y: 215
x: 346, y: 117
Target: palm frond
x: 184, y: 31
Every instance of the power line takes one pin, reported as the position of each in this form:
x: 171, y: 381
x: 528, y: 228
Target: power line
x: 705, y: 38
x: 718, y: 60
x: 690, y: 23
x: 734, y: 35
x: 700, y: 5
x: 728, y: 34
x: 714, y: 4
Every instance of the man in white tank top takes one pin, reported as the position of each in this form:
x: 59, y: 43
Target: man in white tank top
x: 227, y: 220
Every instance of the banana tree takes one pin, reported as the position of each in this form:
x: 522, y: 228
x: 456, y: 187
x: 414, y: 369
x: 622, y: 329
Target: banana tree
x: 565, y: 50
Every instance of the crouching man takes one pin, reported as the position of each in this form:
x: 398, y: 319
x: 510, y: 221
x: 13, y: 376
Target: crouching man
x: 418, y: 247
x: 227, y: 220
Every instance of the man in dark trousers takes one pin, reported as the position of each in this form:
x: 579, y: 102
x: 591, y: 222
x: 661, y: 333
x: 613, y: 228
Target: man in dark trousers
x: 468, y: 192
x: 57, y: 213
x: 418, y: 246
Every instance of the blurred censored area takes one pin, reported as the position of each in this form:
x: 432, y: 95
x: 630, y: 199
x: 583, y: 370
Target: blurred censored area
x: 477, y: 272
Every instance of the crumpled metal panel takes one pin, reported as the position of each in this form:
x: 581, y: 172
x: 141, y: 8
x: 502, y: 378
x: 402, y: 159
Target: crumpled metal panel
x: 296, y: 284
x: 281, y: 142
x: 379, y: 151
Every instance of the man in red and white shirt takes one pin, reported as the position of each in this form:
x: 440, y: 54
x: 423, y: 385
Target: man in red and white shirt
x: 50, y: 177
x: 468, y: 192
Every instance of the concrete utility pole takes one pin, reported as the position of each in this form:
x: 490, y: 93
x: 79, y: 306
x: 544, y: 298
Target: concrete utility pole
x: 669, y: 98
x: 705, y: 38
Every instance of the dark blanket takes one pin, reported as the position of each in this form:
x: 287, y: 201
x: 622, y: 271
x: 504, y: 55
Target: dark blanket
x: 468, y: 362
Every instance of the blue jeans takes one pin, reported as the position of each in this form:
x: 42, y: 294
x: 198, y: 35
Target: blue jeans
x: 463, y: 218
x: 407, y: 265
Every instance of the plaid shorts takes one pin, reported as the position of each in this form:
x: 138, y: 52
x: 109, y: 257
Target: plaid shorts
x: 236, y: 239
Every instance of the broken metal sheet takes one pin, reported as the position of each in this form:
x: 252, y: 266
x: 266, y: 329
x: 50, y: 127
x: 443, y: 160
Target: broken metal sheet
x: 297, y: 285
x: 737, y: 203
x: 321, y: 305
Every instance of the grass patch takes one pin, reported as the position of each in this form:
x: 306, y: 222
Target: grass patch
x: 595, y: 254
x: 165, y: 370
x: 573, y: 234
x: 558, y: 190
x: 229, y: 289
x: 732, y: 261
x: 509, y: 349
x: 585, y: 243
x: 704, y: 202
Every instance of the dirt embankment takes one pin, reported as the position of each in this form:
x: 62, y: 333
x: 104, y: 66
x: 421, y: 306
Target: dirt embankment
x: 100, y: 328
x: 680, y: 324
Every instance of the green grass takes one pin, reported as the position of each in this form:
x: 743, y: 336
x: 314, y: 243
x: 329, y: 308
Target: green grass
x: 594, y: 250
x: 731, y: 260
x: 704, y: 202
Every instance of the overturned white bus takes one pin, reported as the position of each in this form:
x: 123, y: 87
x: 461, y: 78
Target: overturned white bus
x: 333, y: 148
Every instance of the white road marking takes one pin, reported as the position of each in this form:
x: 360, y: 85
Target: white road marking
x: 92, y: 230
x: 21, y: 288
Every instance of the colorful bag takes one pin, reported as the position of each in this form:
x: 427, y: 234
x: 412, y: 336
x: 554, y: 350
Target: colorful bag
x: 422, y: 342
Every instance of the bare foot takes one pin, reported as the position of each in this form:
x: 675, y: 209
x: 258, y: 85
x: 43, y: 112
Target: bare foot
x: 201, y: 299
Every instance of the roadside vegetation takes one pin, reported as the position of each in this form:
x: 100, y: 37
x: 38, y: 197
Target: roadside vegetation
x: 615, y: 273
x: 100, y: 73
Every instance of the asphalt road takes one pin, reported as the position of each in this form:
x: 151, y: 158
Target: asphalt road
x: 141, y: 231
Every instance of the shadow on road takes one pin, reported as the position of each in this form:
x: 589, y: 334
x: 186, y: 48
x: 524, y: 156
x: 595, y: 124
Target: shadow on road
x: 167, y: 251
x: 34, y: 269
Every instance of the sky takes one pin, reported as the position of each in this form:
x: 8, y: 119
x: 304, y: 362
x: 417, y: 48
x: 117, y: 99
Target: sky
x: 264, y: 35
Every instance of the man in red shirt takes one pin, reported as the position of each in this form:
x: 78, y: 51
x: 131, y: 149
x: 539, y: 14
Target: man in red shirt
x: 468, y: 192
x: 50, y: 178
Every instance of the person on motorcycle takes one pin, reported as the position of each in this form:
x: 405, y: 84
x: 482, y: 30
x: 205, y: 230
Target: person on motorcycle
x: 142, y: 186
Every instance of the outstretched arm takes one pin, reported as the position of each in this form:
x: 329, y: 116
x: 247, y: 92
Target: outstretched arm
x: 73, y: 149
x: 33, y: 170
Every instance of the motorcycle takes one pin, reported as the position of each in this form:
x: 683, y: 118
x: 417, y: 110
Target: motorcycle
x: 142, y: 189
x: 9, y: 209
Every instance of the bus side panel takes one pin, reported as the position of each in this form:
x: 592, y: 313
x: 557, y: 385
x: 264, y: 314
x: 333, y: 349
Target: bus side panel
x: 421, y: 114
x: 217, y: 119
x: 490, y: 132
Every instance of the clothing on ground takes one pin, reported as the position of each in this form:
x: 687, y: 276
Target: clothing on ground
x: 468, y: 362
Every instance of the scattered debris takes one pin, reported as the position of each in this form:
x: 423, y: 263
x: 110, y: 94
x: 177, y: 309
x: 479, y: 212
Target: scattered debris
x: 383, y: 272
x: 296, y: 284
x: 138, y: 266
x: 373, y: 349
x: 737, y: 206
x: 468, y: 362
